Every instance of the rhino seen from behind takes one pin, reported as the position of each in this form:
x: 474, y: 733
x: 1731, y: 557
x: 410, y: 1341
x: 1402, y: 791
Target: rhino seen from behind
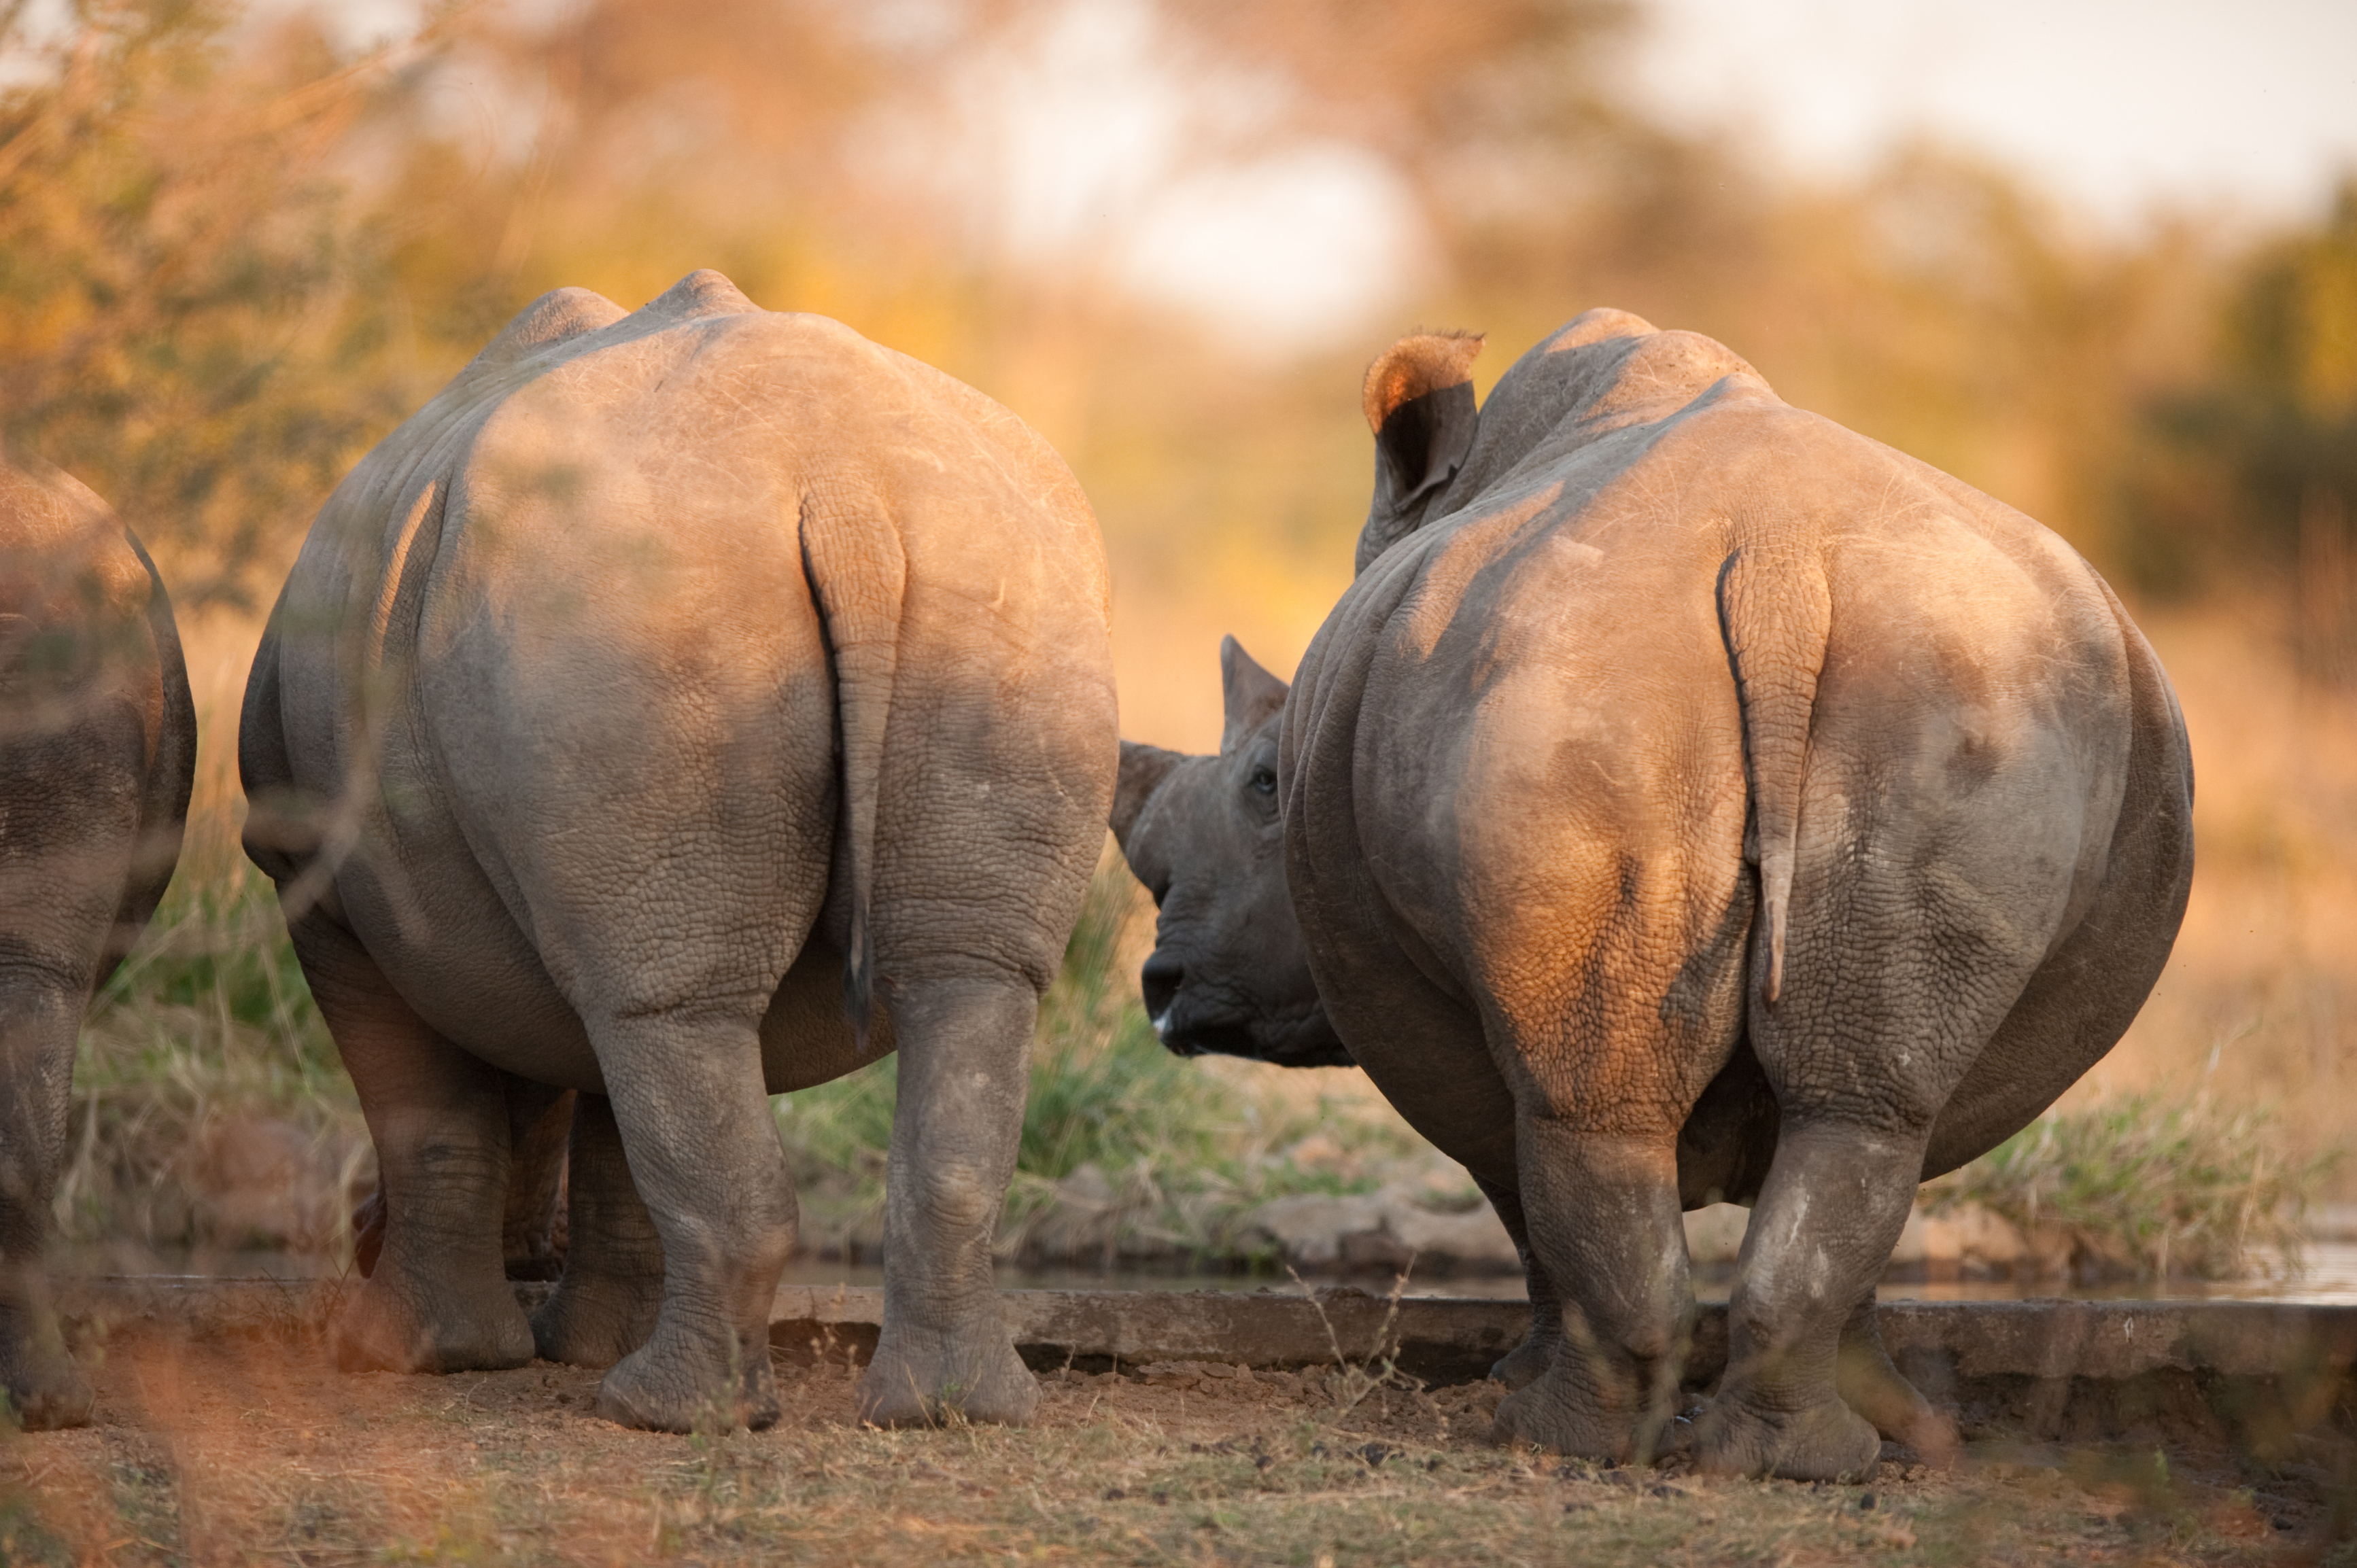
x: 98, y: 752
x: 669, y: 681
x: 1689, y: 799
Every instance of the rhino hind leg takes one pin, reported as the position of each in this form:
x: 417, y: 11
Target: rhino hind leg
x: 1831, y: 1210
x: 41, y: 1015
x: 686, y: 1095
x: 607, y: 1300
x: 944, y: 1347
x: 437, y: 1300
x: 1603, y: 1211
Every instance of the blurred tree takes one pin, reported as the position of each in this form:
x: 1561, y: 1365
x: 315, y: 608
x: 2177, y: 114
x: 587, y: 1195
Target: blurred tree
x: 186, y: 317
x: 229, y: 261
x: 1480, y: 103
x: 2254, y: 469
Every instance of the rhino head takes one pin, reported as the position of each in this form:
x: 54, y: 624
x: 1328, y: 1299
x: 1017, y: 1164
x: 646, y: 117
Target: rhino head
x: 1229, y: 972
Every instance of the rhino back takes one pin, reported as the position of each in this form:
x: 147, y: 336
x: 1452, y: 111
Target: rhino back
x: 1533, y: 702
x: 97, y: 731
x: 578, y: 586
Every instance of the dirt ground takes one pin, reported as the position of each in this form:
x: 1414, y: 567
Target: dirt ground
x: 258, y: 1451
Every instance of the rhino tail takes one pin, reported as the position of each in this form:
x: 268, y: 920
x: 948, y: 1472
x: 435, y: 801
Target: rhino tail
x: 857, y: 572
x: 1775, y: 612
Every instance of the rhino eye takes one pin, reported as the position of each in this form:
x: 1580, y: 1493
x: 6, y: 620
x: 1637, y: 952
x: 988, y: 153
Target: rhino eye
x: 1263, y: 780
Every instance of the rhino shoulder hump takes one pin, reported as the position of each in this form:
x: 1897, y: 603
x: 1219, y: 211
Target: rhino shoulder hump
x: 559, y: 314
x: 1600, y: 325
x: 702, y: 293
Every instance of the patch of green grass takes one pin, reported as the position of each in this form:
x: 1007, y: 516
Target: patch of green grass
x: 1102, y: 1091
x: 205, y: 1023
x: 2152, y: 1187
x: 1178, y: 1149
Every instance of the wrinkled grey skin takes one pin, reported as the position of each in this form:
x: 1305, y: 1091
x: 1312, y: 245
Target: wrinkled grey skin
x: 1229, y: 974
x: 98, y: 748
x: 1693, y: 800
x: 667, y: 680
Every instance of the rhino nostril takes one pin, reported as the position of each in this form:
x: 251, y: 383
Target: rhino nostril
x: 1160, y: 980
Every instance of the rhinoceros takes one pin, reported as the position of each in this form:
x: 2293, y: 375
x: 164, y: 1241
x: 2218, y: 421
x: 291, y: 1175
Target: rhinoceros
x: 1689, y: 799
x: 686, y: 706
x: 98, y: 750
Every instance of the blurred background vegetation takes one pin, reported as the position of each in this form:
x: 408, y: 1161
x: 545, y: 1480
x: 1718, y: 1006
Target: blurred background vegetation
x: 235, y: 252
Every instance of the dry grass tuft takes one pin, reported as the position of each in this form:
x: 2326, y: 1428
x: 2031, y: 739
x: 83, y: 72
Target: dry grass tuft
x: 2153, y: 1188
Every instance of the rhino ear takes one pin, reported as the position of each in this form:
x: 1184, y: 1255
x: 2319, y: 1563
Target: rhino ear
x: 1143, y: 770
x: 1419, y: 404
x: 1251, y: 693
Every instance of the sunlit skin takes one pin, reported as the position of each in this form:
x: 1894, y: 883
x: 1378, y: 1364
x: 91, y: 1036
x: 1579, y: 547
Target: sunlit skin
x: 686, y: 706
x: 98, y: 746
x: 1691, y: 799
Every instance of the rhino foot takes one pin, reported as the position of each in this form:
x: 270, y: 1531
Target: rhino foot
x: 445, y: 1331
x: 669, y: 1384
x: 1556, y: 1412
x: 1874, y: 1388
x: 923, y: 1378
x: 48, y: 1394
x: 1821, y: 1441
x: 1523, y: 1365
x: 596, y: 1320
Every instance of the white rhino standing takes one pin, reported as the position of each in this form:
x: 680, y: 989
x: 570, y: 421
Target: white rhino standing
x: 669, y: 682
x: 1689, y: 799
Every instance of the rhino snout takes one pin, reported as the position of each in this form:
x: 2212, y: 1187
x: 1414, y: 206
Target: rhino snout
x: 1159, y: 981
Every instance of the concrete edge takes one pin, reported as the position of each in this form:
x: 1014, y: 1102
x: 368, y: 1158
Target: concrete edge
x: 1438, y: 1339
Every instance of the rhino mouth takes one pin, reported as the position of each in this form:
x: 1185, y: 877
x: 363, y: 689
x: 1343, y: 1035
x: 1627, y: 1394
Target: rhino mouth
x: 1304, y: 1039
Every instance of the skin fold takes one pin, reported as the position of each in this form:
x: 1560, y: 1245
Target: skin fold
x: 1690, y: 799
x: 685, y: 706
x: 98, y: 749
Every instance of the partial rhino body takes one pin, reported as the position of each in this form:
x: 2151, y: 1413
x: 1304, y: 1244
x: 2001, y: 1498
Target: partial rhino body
x: 683, y: 707
x: 1690, y: 799
x: 98, y: 750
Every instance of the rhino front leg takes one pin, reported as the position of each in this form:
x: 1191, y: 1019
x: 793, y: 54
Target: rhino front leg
x: 1602, y: 1213
x: 1870, y: 1385
x: 1527, y: 1361
x: 687, y: 1096
x: 41, y: 1015
x: 437, y: 1300
x: 540, y: 1119
x: 611, y: 1292
x: 965, y: 1047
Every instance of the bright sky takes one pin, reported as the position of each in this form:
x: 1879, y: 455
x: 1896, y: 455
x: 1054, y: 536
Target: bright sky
x: 2113, y: 105
x: 1080, y: 136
